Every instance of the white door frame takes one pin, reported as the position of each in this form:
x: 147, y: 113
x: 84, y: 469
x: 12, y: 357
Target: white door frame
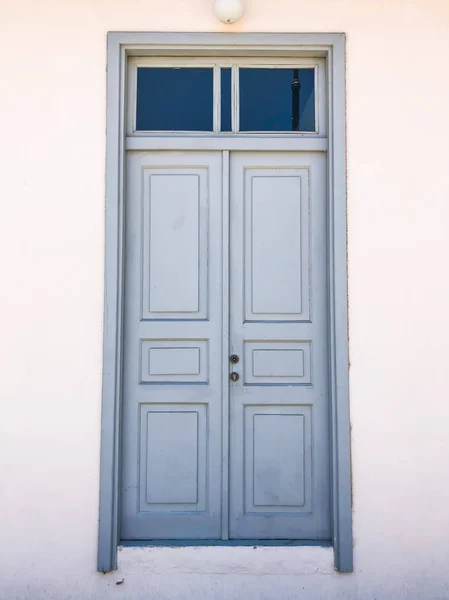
x: 328, y: 46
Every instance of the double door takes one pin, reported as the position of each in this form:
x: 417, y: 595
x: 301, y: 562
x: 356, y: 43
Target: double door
x: 225, y: 429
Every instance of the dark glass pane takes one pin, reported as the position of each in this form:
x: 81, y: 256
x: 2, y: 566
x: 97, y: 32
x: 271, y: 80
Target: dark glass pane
x: 226, y: 100
x: 174, y: 99
x: 268, y: 101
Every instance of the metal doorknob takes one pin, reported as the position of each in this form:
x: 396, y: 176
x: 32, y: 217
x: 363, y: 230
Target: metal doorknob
x: 234, y: 358
x: 234, y: 376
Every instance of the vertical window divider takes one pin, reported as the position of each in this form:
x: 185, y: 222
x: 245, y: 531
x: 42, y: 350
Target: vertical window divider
x: 316, y: 84
x: 235, y: 99
x: 217, y: 99
x: 132, y: 98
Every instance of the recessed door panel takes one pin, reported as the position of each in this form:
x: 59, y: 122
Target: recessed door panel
x: 276, y: 220
x: 278, y: 461
x: 280, y: 363
x: 175, y: 210
x: 174, y: 361
x: 173, y: 450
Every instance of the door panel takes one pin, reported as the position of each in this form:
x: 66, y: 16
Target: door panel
x: 275, y: 233
x: 279, y: 430
x: 277, y: 460
x: 171, y: 442
x: 175, y: 233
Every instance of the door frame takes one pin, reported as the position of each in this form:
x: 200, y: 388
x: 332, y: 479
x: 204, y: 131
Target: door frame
x: 120, y: 47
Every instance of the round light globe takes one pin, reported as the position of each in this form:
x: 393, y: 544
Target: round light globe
x: 229, y: 11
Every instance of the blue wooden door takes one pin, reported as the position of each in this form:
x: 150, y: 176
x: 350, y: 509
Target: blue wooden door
x: 193, y: 419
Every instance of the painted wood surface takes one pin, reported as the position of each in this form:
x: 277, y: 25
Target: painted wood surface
x: 279, y: 406
x: 172, y: 413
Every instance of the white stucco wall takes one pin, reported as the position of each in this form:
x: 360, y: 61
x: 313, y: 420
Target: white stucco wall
x: 52, y: 155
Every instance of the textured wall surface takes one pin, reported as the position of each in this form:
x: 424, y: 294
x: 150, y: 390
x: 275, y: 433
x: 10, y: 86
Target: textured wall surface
x: 52, y: 157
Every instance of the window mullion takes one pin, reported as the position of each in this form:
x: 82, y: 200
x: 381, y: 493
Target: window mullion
x: 235, y: 99
x: 217, y: 99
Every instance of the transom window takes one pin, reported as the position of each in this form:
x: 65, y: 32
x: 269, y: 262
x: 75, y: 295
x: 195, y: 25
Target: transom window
x: 252, y: 96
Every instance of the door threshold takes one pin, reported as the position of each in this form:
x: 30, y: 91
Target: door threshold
x: 236, y: 543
